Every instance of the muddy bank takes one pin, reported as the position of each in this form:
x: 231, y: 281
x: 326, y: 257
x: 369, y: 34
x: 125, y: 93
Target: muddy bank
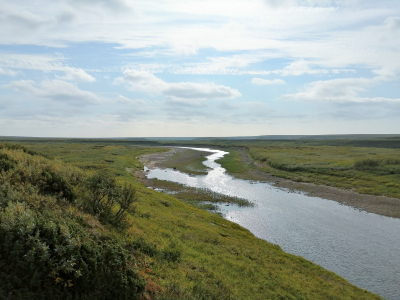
x: 155, y: 160
x: 375, y: 204
x: 185, y: 160
x: 381, y: 205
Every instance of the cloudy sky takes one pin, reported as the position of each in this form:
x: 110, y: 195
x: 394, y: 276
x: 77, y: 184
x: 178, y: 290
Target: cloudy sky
x: 127, y: 68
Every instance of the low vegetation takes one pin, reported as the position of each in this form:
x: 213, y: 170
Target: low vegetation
x: 190, y: 161
x: 74, y: 224
x: 374, y: 171
x: 46, y: 249
x: 233, y: 162
x: 198, y: 197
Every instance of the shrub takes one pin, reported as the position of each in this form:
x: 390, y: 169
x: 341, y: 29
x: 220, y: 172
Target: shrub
x: 125, y: 196
x: 102, y: 188
x: 366, y: 164
x: 171, y: 255
x: 144, y: 247
x: 104, y: 193
x: 52, y: 183
x: 54, y: 258
x: 6, y: 163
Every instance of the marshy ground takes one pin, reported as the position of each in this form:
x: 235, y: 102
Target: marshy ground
x: 190, y: 161
x: 187, y: 161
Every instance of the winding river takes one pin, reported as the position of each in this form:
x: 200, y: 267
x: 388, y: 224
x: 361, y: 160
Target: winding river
x: 362, y: 247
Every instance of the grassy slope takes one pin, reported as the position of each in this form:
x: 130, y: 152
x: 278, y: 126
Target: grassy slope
x: 188, y: 253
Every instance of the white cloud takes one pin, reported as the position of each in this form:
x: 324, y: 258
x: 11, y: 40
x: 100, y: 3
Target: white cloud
x: 42, y: 63
x: 235, y: 61
x: 185, y: 102
x: 221, y: 66
x: 143, y: 81
x: 387, y: 73
x: 200, y: 91
x: 119, y: 6
x: 148, y: 83
x: 331, y: 33
x: 338, y: 90
x: 125, y: 100
x: 129, y: 109
x: 75, y: 74
x: 280, y: 3
x: 300, y: 67
x: 56, y: 90
x: 7, y: 72
x: 31, y: 62
x: 260, y: 81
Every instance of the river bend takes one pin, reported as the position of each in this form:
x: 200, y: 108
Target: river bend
x: 362, y: 247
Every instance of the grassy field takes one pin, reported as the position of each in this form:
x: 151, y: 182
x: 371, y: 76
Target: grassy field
x: 234, y: 162
x: 180, y: 251
x: 374, y: 171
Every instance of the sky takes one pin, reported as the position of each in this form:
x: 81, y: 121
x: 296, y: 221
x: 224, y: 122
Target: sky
x: 168, y: 68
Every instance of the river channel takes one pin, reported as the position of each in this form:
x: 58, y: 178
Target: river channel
x: 362, y: 247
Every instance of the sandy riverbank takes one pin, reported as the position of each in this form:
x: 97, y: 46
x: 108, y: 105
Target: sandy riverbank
x: 375, y: 204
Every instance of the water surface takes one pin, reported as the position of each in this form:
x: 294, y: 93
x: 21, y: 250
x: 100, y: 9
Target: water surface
x: 362, y: 247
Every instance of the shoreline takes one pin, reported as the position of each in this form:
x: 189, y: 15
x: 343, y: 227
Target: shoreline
x: 381, y: 205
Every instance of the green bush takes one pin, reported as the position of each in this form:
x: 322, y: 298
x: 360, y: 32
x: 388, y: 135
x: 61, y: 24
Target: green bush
x: 171, y: 255
x: 51, y: 183
x: 366, y: 164
x: 144, y: 247
x: 6, y: 163
x: 104, y: 193
x: 54, y: 258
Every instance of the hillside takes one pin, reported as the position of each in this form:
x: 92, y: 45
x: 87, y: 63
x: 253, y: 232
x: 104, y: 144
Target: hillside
x: 64, y: 236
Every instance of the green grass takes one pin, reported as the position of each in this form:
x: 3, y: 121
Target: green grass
x: 233, y: 162
x: 180, y: 251
x: 374, y: 171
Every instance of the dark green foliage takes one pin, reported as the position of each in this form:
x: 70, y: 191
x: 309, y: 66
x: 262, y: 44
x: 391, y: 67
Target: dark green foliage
x: 366, y: 164
x: 171, y: 255
x: 51, y: 183
x: 104, y: 193
x: 46, y: 253
x: 379, y: 166
x: 391, y: 161
x: 6, y: 163
x: 144, y: 247
x: 50, y: 257
x: 101, y: 187
x: 125, y: 197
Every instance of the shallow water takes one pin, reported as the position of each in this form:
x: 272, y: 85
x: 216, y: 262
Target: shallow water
x: 362, y: 247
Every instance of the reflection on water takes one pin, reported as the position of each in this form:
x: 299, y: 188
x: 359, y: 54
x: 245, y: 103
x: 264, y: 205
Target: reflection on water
x: 362, y: 247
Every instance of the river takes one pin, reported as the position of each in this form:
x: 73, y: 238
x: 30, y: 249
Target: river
x: 362, y: 247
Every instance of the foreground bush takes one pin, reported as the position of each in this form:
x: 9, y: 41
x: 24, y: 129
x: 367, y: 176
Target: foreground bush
x: 48, y: 253
x: 48, y: 257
